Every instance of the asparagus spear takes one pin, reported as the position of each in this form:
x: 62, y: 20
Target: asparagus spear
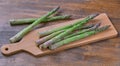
x: 83, y: 31
x: 78, y: 37
x: 26, y: 30
x: 46, y: 38
x: 44, y: 33
x: 31, y: 20
x: 70, y: 30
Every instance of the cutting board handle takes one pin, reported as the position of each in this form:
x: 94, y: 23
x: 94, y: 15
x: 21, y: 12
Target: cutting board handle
x: 9, y: 49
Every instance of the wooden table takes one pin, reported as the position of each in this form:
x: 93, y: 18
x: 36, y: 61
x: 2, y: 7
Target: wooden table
x: 105, y: 52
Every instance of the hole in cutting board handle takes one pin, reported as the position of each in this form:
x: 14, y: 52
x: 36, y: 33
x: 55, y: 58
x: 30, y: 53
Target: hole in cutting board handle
x: 9, y: 49
x: 6, y: 49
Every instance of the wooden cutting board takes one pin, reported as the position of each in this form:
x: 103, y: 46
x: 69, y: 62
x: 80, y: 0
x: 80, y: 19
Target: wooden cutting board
x: 27, y: 44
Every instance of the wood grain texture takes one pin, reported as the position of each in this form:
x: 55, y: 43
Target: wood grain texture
x: 28, y: 42
x: 106, y: 53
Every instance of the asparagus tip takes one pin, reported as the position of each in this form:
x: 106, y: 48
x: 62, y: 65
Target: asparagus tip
x: 55, y: 9
x: 91, y: 25
x: 93, y: 15
x: 67, y: 16
x: 97, y: 25
x: 103, y: 28
x: 106, y: 27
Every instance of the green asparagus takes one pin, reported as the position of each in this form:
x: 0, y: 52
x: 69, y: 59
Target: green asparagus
x: 31, y: 20
x: 26, y: 30
x: 46, y: 38
x: 83, y: 31
x: 44, y: 33
x: 68, y: 31
x: 78, y: 37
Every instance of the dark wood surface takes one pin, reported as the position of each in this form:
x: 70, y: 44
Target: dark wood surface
x: 104, y: 53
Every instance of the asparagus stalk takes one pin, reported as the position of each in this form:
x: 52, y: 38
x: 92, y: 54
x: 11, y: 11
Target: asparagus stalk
x: 78, y: 37
x: 70, y: 30
x: 83, y: 31
x: 44, y: 33
x: 46, y: 38
x: 31, y: 20
x: 26, y: 30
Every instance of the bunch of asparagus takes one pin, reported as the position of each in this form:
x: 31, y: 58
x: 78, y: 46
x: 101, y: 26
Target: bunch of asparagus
x: 34, y: 22
x: 58, y: 37
x: 55, y: 38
